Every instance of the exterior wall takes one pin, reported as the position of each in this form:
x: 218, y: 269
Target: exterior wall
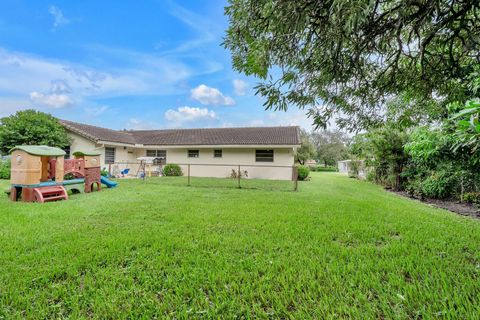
x: 80, y: 143
x: 208, y: 166
x: 203, y: 166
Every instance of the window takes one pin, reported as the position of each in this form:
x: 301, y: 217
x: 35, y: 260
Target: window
x: 217, y: 153
x: 193, y: 154
x: 67, y: 152
x: 109, y: 155
x: 264, y: 155
x: 161, y: 156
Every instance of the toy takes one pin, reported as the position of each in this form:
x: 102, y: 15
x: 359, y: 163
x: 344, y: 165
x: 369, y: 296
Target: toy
x: 37, y: 174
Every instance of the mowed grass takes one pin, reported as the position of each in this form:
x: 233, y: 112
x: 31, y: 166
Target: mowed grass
x: 338, y: 248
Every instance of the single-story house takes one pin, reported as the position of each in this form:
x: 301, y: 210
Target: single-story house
x: 264, y: 152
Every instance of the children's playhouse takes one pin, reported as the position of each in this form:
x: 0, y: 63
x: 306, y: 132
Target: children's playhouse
x: 38, y: 174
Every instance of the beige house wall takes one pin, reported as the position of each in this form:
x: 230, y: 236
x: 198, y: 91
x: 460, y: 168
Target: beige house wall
x: 206, y: 165
x: 80, y: 143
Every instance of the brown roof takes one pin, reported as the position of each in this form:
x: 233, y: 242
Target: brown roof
x: 211, y: 136
x: 98, y: 133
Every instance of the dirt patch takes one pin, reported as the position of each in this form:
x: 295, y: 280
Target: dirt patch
x: 462, y: 208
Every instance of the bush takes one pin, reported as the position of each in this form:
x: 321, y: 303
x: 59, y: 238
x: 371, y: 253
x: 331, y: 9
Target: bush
x: 104, y: 172
x: 172, y: 170
x: 5, y: 169
x: 440, y: 185
x: 322, y: 169
x: 472, y: 197
x: 303, y: 172
x: 234, y: 174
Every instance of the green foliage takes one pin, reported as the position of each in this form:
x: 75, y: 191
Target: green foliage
x: 383, y: 151
x: 440, y: 185
x: 4, y: 169
x: 330, y: 146
x: 355, y: 167
x: 322, y: 169
x: 172, y: 170
x: 467, y: 135
x: 303, y: 172
x: 306, y: 150
x: 472, y: 197
x: 31, y: 127
x: 354, y: 57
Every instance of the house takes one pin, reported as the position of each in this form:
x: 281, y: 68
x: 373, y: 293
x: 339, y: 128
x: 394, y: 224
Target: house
x: 264, y: 152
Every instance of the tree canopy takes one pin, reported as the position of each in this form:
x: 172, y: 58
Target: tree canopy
x: 350, y: 58
x: 330, y: 146
x: 31, y: 127
x: 306, y: 150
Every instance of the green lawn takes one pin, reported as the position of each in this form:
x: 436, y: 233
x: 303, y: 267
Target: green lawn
x: 338, y: 248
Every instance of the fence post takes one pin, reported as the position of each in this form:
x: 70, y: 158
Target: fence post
x: 188, y: 170
x: 239, y: 176
x: 295, y: 178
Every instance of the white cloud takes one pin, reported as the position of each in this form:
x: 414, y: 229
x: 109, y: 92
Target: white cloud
x: 138, y: 124
x: 96, y: 111
x: 206, y: 95
x: 189, y: 114
x: 23, y: 74
x: 51, y: 100
x: 58, y: 18
x: 240, y: 87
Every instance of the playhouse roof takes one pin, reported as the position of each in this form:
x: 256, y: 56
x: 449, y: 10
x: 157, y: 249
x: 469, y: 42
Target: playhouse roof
x: 88, y: 153
x: 41, y: 150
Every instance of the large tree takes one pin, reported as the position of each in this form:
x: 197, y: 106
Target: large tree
x: 31, y: 127
x: 330, y: 146
x: 306, y: 150
x: 351, y: 57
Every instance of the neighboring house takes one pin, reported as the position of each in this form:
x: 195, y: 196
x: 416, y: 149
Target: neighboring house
x: 265, y: 152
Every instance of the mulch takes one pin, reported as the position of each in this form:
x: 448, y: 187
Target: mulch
x: 461, y: 208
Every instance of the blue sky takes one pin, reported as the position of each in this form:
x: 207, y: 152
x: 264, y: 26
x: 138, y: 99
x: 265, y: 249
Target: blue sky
x: 127, y: 64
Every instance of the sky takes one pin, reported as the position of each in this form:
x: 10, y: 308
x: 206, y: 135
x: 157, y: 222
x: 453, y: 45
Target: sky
x: 127, y: 65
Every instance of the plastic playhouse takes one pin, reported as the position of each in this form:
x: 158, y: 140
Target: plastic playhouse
x: 38, y: 173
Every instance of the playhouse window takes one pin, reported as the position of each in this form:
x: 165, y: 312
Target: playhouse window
x: 193, y: 154
x: 109, y: 155
x: 161, y: 156
x: 67, y: 152
x: 264, y: 155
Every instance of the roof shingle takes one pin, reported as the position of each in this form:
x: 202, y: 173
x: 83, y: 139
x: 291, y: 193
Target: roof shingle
x: 210, y: 136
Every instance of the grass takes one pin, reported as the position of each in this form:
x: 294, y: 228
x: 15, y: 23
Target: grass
x: 338, y: 248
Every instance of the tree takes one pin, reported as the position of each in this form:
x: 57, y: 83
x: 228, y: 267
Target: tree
x: 31, y: 127
x: 330, y: 146
x: 306, y: 150
x: 353, y: 56
x: 383, y: 149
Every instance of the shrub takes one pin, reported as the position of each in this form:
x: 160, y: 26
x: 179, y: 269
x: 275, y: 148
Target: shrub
x: 172, y: 170
x: 322, y: 169
x: 234, y: 174
x: 472, y: 197
x: 303, y: 172
x: 104, y: 172
x: 4, y: 169
x: 440, y: 185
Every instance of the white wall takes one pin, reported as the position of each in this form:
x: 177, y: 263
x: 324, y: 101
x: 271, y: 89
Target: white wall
x: 231, y: 158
